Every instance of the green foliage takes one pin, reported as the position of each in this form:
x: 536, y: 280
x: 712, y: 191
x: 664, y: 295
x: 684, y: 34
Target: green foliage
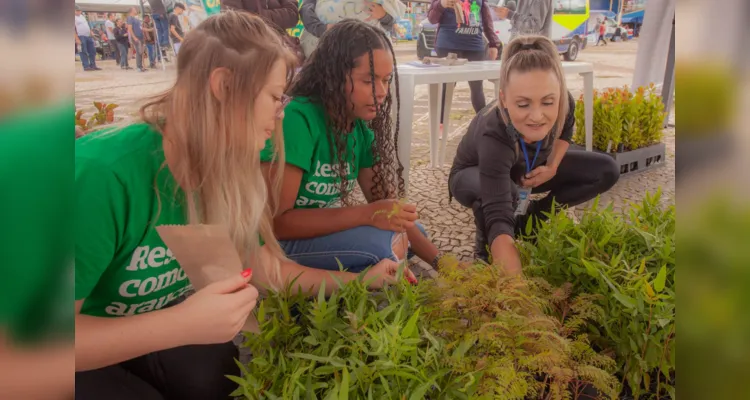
x: 104, y: 114
x: 628, y: 262
x: 396, y: 343
x: 523, y: 338
x: 634, y: 120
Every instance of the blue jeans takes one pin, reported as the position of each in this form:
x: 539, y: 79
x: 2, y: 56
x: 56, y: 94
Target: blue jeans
x: 357, y: 249
x: 151, y: 47
x: 123, y: 54
x: 162, y: 29
x: 88, y: 52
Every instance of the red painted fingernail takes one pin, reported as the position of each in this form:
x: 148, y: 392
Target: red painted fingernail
x: 247, y: 273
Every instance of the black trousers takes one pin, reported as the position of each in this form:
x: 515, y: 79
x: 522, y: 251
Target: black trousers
x: 182, y: 373
x: 581, y: 176
x: 477, y: 93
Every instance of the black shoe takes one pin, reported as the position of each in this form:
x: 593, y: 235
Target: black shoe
x: 89, y: 69
x: 152, y: 66
x: 481, y: 246
x: 96, y: 68
x: 142, y: 69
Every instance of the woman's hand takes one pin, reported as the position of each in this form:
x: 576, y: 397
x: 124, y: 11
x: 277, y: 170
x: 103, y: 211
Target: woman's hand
x: 385, y: 272
x: 391, y: 215
x: 538, y: 176
x: 493, y: 53
x: 216, y: 313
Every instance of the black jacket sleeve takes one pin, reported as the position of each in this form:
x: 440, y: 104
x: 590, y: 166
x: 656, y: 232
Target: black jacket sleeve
x: 570, y: 121
x: 310, y: 19
x: 496, y: 158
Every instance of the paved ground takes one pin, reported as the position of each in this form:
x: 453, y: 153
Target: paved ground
x: 450, y: 225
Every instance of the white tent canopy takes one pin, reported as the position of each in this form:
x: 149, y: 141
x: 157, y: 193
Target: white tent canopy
x: 108, y: 5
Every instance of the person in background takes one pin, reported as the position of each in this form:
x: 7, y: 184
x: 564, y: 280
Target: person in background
x: 338, y: 133
x: 109, y: 26
x: 528, y: 17
x: 85, y: 41
x: 320, y: 15
x: 159, y: 15
x: 123, y: 42
x: 463, y: 25
x: 175, y: 27
x: 135, y: 33
x: 192, y: 158
x: 518, y: 146
x: 602, y: 32
x: 282, y: 13
x: 149, y: 37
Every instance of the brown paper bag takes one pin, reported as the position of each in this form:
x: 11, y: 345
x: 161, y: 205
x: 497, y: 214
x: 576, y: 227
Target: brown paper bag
x: 207, y: 254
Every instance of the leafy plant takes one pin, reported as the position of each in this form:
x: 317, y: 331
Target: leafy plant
x: 104, y: 114
x: 523, y: 337
x: 628, y: 262
x: 398, y: 343
x: 633, y: 119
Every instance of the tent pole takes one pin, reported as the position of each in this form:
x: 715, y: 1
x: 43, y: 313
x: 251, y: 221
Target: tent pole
x: 667, y: 89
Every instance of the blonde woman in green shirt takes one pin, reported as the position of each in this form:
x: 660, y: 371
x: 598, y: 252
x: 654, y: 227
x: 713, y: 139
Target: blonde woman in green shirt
x: 194, y: 159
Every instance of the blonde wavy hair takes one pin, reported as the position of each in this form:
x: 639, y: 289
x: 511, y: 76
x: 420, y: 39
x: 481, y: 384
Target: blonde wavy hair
x: 529, y: 53
x: 216, y: 148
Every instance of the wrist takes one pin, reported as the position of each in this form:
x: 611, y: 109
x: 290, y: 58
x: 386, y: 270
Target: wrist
x: 176, y: 328
x: 366, y: 215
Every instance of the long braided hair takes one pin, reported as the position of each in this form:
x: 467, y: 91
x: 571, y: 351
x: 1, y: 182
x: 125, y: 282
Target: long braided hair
x: 323, y: 78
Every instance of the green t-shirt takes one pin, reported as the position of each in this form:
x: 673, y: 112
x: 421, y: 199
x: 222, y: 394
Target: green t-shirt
x: 122, y: 266
x: 36, y: 166
x: 308, y: 146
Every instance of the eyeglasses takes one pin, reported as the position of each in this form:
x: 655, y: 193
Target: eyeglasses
x: 283, y: 102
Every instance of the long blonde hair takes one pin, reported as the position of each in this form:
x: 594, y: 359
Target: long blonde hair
x: 216, y: 151
x: 528, y: 53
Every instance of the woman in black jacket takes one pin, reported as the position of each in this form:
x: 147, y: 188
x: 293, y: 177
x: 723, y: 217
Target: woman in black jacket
x: 282, y: 13
x: 520, y: 145
x: 121, y: 37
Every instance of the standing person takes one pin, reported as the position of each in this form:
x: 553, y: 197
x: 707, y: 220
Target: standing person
x: 319, y: 15
x: 123, y: 42
x: 284, y: 14
x: 462, y: 27
x: 175, y: 27
x: 602, y: 32
x: 149, y: 37
x: 338, y: 133
x: 192, y: 159
x: 159, y: 15
x: 522, y: 140
x: 85, y: 41
x: 109, y: 26
x: 135, y: 33
x: 528, y: 17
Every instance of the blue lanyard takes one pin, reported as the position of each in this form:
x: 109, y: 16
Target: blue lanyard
x: 529, y: 167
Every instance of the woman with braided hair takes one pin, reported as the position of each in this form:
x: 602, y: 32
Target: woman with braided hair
x: 338, y: 133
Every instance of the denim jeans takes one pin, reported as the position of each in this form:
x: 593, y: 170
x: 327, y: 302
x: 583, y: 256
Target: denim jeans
x: 123, y: 54
x: 151, y: 47
x: 162, y: 29
x: 138, y: 46
x: 88, y: 52
x: 356, y: 249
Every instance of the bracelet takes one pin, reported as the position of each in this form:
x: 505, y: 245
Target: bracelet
x: 436, y: 261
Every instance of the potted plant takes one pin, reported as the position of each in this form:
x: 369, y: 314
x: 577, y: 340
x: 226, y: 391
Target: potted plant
x: 627, y: 126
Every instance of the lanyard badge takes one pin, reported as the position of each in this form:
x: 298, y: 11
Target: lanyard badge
x: 524, y: 194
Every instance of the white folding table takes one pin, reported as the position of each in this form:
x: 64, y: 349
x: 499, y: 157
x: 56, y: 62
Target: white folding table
x: 410, y: 76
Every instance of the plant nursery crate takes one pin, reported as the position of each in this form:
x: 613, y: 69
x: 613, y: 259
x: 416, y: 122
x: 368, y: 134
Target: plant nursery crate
x: 639, y: 160
x: 643, y: 159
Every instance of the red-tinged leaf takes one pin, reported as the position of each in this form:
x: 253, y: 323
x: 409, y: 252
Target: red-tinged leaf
x: 98, y: 105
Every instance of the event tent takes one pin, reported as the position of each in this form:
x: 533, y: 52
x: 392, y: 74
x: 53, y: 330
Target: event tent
x: 108, y: 5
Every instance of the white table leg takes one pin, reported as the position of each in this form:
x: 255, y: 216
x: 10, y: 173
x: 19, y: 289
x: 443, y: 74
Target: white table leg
x: 446, y: 121
x: 436, y: 90
x: 588, y: 108
x: 406, y: 115
x: 496, y: 84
